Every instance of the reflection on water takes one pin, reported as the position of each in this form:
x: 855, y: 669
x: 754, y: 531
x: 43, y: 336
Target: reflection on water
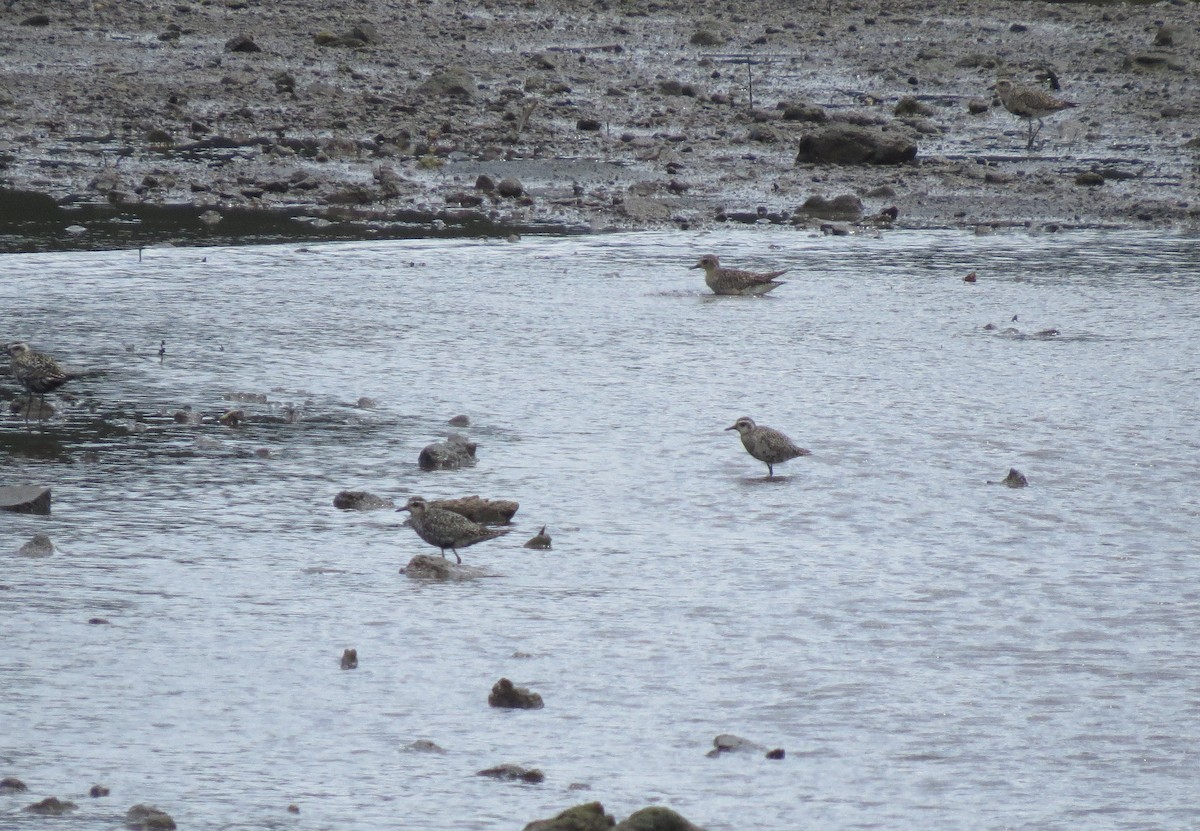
x: 932, y: 651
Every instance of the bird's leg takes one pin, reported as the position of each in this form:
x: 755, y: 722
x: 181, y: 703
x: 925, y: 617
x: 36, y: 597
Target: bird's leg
x: 444, y: 557
x: 455, y: 550
x: 770, y: 471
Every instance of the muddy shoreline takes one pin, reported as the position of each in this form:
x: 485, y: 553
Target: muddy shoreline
x: 140, y: 122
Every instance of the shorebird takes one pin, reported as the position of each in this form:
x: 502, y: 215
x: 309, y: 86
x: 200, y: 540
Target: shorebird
x: 766, y: 445
x: 735, y: 280
x: 446, y: 529
x: 37, y: 372
x: 1029, y: 103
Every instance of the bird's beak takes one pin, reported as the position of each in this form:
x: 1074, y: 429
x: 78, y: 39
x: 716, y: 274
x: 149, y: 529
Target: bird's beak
x: 697, y: 265
x: 734, y: 427
x: 403, y: 508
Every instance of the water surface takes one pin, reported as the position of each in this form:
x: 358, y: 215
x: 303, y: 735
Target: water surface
x: 931, y: 650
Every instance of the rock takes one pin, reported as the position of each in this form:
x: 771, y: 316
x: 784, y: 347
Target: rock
x: 1015, y: 478
x: 910, y: 106
x: 588, y: 124
x: 25, y: 499
x: 11, y: 784
x: 763, y: 134
x: 672, y: 87
x: 776, y: 754
x: 977, y: 106
x: 510, y: 187
x: 478, y: 509
x: 31, y: 407
x: 970, y: 278
x: 504, y: 694
x: 655, y: 818
x: 805, y: 112
x: 361, y: 501
x: 539, y: 541
x: 844, y: 208
x: 729, y: 743
x: 587, y: 817
x: 424, y: 746
x: 148, y: 818
x: 51, y: 806
x: 1089, y: 179
x: 231, y: 418
x: 514, y: 773
x: 437, y: 567
x: 242, y: 43
x: 703, y: 37
x: 460, y: 421
x: 350, y: 659
x: 850, y: 144
x: 1165, y: 36
x: 36, y: 20
x: 453, y: 82
x: 486, y: 184
x: 450, y: 454
x: 39, y: 546
x: 365, y: 403
x: 98, y: 791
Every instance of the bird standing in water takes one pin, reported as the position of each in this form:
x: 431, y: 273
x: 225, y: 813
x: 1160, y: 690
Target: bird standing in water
x: 446, y: 529
x: 37, y: 372
x: 735, y: 280
x: 766, y: 444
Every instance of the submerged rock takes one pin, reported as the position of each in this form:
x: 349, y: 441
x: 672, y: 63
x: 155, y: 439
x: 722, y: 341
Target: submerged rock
x: 437, y: 567
x: 51, y: 806
x: 1015, y: 478
x: 729, y: 743
x: 350, y: 659
x: 452, y: 453
x: 98, y: 791
x: 11, y: 784
x: 361, y: 501
x: 148, y: 818
x: 424, y: 746
x: 514, y: 773
x: 39, y: 546
x: 506, y: 694
x: 655, y: 818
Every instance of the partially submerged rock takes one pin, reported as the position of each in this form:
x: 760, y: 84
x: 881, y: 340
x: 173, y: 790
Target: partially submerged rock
x: 436, y: 567
x: 361, y: 501
x: 478, y: 509
x: 350, y: 659
x: 11, y: 784
x: 844, y: 208
x: 587, y: 817
x: 851, y: 144
x: 1015, y: 478
x: 729, y: 743
x: 25, y: 499
x: 452, y: 453
x: 424, y: 746
x: 148, y: 818
x: 506, y: 694
x: 655, y: 818
x: 539, y: 541
x: 51, y: 806
x: 514, y: 773
x: 39, y: 546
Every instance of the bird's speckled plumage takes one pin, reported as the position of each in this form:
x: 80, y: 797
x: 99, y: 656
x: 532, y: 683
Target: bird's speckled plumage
x: 766, y: 444
x: 735, y: 280
x: 1029, y: 103
x: 446, y: 529
x: 37, y: 372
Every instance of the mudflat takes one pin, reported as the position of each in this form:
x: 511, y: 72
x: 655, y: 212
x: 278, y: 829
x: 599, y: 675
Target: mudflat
x: 225, y: 117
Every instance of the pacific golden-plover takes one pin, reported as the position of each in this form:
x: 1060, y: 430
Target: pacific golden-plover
x: 446, y: 529
x: 767, y: 445
x: 37, y: 372
x: 1029, y: 103
x: 735, y: 280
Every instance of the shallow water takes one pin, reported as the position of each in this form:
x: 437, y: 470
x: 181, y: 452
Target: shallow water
x: 931, y: 650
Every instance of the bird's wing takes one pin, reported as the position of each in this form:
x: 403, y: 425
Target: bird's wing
x: 745, y: 279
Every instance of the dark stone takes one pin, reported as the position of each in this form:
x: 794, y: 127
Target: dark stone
x: 98, y: 791
x: 505, y: 694
x: 587, y: 817
x: 910, y: 106
x: 1165, y: 36
x: 850, y: 144
x: 430, y: 567
x: 98, y: 621
x: 36, y: 20
x: 805, y: 112
x: 1018, y: 27
x: 25, y: 499
x: 242, y: 43
x: 460, y: 421
x: 588, y: 124
x: 763, y: 134
x: 11, y: 784
x: 350, y: 659
x: 148, y: 818
x: 977, y: 106
x: 361, y: 501
x: 655, y: 818
x: 485, y: 183
x: 1089, y: 179
x: 539, y: 541
x: 51, y: 806
x: 510, y: 187
x: 425, y: 746
x: 454, y: 82
x: 703, y: 37
x: 845, y: 208
x: 1015, y: 478
x: 676, y: 88
x: 20, y: 206
x: 450, y: 454
x: 514, y: 773
x: 776, y: 754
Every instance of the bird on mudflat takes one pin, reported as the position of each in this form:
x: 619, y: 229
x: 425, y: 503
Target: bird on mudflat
x: 446, y: 529
x: 37, y: 372
x: 735, y: 280
x: 766, y: 444
x: 1029, y: 103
